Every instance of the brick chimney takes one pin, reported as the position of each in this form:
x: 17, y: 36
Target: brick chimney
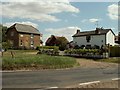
x: 97, y: 31
x: 78, y: 31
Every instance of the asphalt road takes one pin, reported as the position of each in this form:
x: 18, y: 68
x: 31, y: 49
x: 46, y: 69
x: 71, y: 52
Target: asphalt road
x: 56, y: 78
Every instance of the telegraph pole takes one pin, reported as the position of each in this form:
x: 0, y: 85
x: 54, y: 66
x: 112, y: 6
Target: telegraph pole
x: 96, y: 23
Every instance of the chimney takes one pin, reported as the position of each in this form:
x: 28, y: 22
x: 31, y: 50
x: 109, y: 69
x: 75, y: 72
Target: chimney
x: 97, y: 31
x: 78, y: 31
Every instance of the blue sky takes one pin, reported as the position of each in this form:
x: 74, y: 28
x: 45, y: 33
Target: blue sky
x: 62, y: 18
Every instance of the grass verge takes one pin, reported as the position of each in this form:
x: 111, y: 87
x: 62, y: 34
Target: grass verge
x: 111, y: 60
x: 23, y: 60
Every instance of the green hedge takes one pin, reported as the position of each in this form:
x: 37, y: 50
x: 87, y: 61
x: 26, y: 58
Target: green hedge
x: 47, y: 47
x: 82, y: 51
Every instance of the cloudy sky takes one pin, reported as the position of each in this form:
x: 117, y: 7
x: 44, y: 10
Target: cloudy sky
x: 61, y: 18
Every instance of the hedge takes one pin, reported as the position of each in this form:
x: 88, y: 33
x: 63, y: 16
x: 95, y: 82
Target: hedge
x: 47, y: 47
x: 82, y: 51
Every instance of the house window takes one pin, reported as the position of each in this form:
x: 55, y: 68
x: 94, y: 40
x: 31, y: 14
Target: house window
x: 101, y: 40
x: 12, y: 33
x: 32, y: 35
x: 32, y: 43
x: 88, y: 38
x: 21, y: 35
x: 21, y: 43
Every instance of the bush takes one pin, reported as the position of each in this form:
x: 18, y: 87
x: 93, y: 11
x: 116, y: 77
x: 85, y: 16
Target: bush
x: 47, y: 47
x: 81, y: 51
x: 6, y: 45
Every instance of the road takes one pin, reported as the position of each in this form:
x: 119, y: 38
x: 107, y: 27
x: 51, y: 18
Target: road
x: 57, y: 78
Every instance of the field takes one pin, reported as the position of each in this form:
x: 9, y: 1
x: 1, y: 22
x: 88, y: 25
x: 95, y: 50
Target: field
x: 27, y: 59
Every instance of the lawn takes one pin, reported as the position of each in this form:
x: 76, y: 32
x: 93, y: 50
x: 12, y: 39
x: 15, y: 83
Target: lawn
x: 24, y: 59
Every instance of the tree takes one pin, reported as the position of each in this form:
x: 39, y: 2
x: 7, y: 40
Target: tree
x: 0, y: 33
x: 62, y: 43
x: 6, y: 45
x: 4, y: 30
x: 119, y: 38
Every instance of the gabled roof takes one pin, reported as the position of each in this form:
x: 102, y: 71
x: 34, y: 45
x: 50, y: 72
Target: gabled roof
x: 25, y: 28
x: 93, y: 32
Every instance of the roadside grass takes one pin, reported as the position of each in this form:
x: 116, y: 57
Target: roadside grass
x: 24, y: 60
x: 111, y: 60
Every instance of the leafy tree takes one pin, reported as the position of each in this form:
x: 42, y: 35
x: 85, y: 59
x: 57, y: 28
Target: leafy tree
x: 62, y: 43
x: 6, y: 45
x: 0, y: 33
x: 4, y: 30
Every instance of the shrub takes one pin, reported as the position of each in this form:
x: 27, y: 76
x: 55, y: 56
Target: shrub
x: 47, y: 47
x: 81, y: 51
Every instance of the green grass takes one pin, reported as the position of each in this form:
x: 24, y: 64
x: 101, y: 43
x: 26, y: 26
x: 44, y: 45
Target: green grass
x: 23, y: 60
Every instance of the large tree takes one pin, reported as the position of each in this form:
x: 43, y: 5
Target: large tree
x: 62, y: 43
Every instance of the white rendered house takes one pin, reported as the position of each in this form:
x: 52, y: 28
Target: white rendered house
x: 97, y: 37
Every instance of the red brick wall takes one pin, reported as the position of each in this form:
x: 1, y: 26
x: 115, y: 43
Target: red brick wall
x: 36, y: 40
x: 13, y: 39
x: 26, y: 39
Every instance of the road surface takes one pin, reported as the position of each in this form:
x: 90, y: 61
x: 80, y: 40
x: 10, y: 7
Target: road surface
x: 57, y: 78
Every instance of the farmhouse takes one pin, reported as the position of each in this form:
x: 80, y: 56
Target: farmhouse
x: 98, y: 37
x: 23, y: 36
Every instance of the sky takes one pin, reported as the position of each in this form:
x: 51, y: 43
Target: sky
x: 61, y: 18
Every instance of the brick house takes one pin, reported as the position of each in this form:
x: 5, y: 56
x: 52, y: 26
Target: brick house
x: 23, y: 36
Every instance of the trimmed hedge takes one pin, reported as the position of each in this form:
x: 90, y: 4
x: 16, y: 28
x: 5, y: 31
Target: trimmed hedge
x: 47, y: 47
x: 82, y: 51
x: 49, y: 50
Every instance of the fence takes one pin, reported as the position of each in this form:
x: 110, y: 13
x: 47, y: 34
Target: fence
x: 115, y: 51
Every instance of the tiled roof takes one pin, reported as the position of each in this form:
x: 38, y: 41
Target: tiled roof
x: 25, y: 28
x: 93, y: 32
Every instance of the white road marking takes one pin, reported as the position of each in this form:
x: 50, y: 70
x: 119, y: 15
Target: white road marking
x: 89, y: 83
x: 53, y: 87
x: 115, y: 78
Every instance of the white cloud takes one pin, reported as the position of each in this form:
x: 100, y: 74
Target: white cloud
x: 84, y: 20
x: 67, y: 32
x: 113, y: 11
x: 93, y: 20
x: 41, y: 10
x: 8, y: 24
x: 74, y: 15
x: 66, y: 1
